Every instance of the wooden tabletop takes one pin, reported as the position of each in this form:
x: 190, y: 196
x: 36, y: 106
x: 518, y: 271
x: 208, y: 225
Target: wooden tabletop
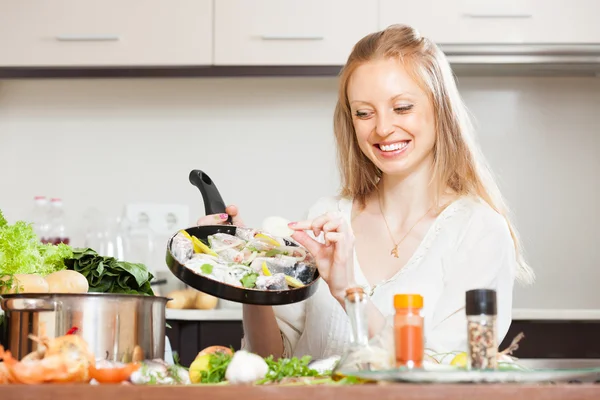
x: 379, y: 392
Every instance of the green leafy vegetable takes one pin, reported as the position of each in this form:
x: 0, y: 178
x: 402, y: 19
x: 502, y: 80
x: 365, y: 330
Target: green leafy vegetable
x: 217, y: 366
x: 287, y: 368
x: 10, y: 282
x: 206, y: 269
x: 21, y: 251
x: 108, y: 275
x: 249, y: 281
x: 274, y: 252
x: 3, y: 221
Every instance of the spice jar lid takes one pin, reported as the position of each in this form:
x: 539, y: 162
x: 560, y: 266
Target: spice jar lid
x: 481, y: 301
x: 408, y: 301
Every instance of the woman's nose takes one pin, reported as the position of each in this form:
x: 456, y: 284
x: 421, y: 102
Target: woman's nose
x: 385, y: 124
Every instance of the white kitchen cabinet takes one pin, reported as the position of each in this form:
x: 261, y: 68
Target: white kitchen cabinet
x: 105, y: 33
x: 497, y: 21
x: 290, y: 32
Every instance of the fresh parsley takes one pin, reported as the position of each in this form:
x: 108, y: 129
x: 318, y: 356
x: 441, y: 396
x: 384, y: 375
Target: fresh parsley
x: 249, y: 281
x: 287, y: 368
x: 206, y: 269
x: 274, y: 252
x: 218, y: 363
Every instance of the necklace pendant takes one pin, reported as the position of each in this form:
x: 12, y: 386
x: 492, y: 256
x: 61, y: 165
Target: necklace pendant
x: 394, y: 251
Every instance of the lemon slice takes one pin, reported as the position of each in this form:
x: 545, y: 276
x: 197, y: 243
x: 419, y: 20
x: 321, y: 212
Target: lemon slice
x: 268, y: 239
x: 200, y: 247
x: 265, y: 269
x: 184, y: 233
x: 293, y: 282
x: 459, y: 360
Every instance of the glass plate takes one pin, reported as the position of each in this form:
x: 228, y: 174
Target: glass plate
x: 464, y: 376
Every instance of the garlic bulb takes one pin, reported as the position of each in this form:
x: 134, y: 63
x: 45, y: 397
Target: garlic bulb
x: 246, y: 367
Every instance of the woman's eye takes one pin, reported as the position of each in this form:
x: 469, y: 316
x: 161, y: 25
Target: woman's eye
x: 361, y: 114
x: 402, y: 109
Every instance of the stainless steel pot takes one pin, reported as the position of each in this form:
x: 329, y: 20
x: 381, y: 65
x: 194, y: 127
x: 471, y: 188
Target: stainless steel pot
x: 117, y: 327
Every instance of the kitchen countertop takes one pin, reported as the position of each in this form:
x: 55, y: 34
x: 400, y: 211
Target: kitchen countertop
x: 318, y: 392
x: 235, y: 314
x: 556, y: 314
x: 223, y: 314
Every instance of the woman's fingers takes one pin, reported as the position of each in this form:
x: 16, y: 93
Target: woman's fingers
x: 333, y: 225
x: 323, y: 223
x: 334, y: 237
x: 309, y: 243
x: 235, y: 217
x: 212, y: 219
x: 221, y: 219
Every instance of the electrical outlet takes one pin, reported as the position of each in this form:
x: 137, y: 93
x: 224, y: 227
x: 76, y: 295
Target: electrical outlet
x: 163, y: 219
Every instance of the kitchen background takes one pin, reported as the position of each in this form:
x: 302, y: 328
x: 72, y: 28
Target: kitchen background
x: 107, y: 143
x: 103, y: 144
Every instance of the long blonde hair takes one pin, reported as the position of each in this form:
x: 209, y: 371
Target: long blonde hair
x: 458, y: 165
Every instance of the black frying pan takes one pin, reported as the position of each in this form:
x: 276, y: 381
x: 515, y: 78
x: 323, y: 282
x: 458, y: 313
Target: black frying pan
x: 213, y: 204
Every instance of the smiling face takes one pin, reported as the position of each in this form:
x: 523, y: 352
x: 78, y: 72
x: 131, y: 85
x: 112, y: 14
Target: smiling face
x: 392, y: 116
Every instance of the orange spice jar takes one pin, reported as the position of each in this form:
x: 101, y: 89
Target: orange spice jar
x: 409, y: 335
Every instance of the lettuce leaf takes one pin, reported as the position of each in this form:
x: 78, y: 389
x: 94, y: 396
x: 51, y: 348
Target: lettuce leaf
x: 21, y: 251
x: 3, y: 222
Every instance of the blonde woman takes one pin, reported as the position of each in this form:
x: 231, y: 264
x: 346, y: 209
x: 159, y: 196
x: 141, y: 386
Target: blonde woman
x: 419, y: 211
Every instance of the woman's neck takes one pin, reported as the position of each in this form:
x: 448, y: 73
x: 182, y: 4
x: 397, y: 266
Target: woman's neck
x: 406, y: 198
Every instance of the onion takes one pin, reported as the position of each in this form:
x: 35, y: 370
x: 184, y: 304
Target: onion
x: 277, y: 226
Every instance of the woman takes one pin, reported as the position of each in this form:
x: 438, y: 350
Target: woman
x: 418, y: 212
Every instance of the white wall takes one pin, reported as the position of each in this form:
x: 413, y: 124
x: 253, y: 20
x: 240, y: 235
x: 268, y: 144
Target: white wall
x: 105, y: 143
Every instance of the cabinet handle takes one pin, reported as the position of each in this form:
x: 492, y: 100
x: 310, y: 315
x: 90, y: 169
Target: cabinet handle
x: 291, y: 37
x: 499, y: 16
x: 87, y: 38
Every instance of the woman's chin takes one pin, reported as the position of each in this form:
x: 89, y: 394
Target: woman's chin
x: 401, y: 168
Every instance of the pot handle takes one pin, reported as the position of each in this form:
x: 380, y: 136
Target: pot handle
x: 213, y: 202
x: 30, y: 304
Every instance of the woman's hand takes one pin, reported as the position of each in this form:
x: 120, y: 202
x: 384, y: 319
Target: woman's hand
x: 221, y: 219
x: 334, y: 258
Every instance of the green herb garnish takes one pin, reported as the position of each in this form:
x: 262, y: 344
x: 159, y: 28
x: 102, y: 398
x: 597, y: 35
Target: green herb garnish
x: 287, y: 368
x: 206, y: 269
x: 218, y: 363
x: 274, y: 252
x: 249, y: 281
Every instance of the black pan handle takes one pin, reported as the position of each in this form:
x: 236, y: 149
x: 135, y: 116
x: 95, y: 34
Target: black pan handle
x: 213, y: 202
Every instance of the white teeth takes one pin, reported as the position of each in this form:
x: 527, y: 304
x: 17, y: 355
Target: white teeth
x: 393, y: 146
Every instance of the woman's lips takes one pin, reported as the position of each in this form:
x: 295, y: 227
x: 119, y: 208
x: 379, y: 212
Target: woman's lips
x: 392, y: 149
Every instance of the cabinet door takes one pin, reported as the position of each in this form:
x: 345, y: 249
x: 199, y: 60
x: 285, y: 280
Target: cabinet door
x: 290, y: 32
x: 105, y: 33
x: 497, y: 21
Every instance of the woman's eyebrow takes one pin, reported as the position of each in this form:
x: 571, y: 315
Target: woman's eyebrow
x: 393, y: 98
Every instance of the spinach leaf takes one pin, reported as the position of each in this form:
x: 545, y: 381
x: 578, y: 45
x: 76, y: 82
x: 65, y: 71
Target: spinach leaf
x: 109, y: 275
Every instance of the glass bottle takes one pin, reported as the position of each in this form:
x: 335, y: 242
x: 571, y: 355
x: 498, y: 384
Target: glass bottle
x: 58, y: 229
x: 40, y: 218
x: 362, y: 354
x: 409, y: 337
x: 482, y: 343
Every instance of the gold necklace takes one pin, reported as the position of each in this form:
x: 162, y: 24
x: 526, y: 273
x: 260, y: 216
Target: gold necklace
x: 394, y: 251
